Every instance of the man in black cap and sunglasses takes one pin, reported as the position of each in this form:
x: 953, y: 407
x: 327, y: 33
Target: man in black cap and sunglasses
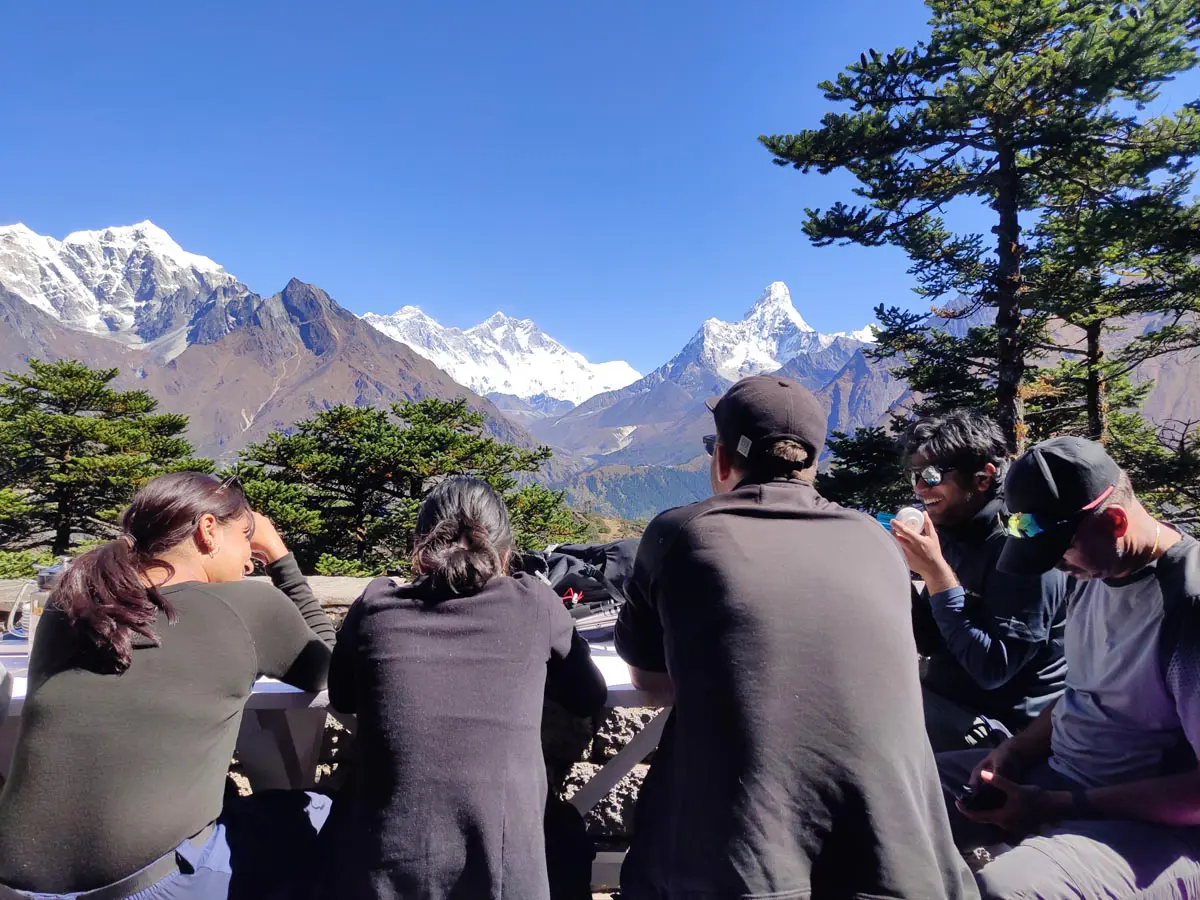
x: 1106, y: 779
x: 993, y: 640
x: 777, y: 626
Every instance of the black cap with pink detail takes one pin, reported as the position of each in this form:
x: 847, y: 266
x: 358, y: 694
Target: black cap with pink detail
x: 1055, y: 483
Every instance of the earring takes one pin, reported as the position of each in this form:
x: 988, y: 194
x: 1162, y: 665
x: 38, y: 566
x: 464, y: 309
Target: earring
x: 214, y: 551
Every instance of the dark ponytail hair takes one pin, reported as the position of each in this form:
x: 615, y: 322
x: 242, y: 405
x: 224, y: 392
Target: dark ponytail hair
x: 463, y: 535
x: 102, y: 592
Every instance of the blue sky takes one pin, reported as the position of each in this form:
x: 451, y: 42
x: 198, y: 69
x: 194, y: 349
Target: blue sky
x: 591, y: 166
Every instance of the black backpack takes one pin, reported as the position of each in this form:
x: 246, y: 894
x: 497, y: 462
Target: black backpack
x: 591, y: 579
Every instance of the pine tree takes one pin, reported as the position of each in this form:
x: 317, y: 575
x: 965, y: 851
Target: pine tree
x: 1006, y: 99
x: 75, y: 450
x: 1118, y: 247
x: 14, y: 516
x: 346, y: 485
x: 866, y: 470
x: 1174, y: 474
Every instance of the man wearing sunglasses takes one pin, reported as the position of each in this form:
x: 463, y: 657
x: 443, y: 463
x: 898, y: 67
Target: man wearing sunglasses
x: 1106, y: 779
x: 993, y: 641
x: 776, y: 624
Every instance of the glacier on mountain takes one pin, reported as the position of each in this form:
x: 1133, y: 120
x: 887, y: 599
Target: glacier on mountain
x: 117, y: 282
x: 504, y: 355
x: 770, y: 334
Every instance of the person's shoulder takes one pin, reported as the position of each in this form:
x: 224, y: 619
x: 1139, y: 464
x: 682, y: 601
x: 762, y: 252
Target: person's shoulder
x: 253, y: 602
x: 665, y: 528
x: 524, y: 583
x: 1178, y: 573
x: 384, y: 588
x: 671, y: 520
x: 235, y: 593
x: 1186, y: 560
x: 383, y: 593
x: 828, y: 508
x: 873, y: 544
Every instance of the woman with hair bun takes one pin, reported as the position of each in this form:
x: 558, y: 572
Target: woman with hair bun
x: 447, y: 676
x: 144, y: 658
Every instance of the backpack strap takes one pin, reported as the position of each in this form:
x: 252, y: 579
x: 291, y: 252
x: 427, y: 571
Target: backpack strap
x: 1178, y: 574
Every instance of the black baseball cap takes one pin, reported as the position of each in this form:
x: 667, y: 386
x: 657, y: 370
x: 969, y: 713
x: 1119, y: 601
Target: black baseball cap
x: 760, y: 410
x: 1048, y: 490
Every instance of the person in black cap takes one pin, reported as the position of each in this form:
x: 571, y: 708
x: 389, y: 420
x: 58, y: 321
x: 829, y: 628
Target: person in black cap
x: 1106, y: 779
x: 794, y: 762
x: 994, y: 641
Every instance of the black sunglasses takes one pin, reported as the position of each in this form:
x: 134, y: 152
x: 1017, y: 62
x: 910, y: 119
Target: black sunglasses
x: 710, y: 443
x: 931, y: 475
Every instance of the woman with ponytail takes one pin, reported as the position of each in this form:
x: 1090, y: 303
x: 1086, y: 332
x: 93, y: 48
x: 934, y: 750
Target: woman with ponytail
x: 447, y: 676
x: 144, y: 659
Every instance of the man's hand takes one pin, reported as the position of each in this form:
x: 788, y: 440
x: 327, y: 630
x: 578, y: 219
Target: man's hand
x: 265, y: 544
x: 1025, y: 809
x: 1007, y: 760
x: 923, y: 551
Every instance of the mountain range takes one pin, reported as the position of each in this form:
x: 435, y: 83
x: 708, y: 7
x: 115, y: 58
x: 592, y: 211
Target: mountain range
x: 659, y: 419
x: 242, y: 365
x: 505, y: 356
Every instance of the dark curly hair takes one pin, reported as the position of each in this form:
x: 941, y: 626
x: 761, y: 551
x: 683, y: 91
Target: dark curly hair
x: 964, y: 439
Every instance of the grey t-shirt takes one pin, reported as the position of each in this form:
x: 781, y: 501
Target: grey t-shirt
x: 1131, y: 709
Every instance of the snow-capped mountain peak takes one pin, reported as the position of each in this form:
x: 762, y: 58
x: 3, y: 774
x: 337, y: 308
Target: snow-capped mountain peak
x: 134, y: 282
x: 770, y: 334
x: 774, y: 310
x: 504, y: 355
x: 864, y: 335
x: 499, y: 320
x: 514, y: 335
x: 146, y: 237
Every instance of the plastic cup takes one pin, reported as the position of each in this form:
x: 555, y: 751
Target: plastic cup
x: 912, y: 517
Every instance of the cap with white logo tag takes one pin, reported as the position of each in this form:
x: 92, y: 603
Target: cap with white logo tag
x: 761, y: 410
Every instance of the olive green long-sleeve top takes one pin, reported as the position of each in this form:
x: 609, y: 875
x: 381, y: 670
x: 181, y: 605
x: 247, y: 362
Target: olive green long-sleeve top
x: 112, y: 771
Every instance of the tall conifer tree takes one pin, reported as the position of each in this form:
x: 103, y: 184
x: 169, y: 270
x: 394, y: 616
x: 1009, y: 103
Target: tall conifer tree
x: 1006, y: 101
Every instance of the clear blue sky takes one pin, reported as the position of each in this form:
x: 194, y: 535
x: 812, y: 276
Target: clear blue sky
x: 591, y: 166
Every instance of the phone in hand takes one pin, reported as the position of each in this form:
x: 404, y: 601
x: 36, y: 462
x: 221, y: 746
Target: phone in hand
x: 981, y: 797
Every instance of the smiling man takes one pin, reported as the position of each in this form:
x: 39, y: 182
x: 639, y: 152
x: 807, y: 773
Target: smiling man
x: 1115, y: 756
x: 994, y: 640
